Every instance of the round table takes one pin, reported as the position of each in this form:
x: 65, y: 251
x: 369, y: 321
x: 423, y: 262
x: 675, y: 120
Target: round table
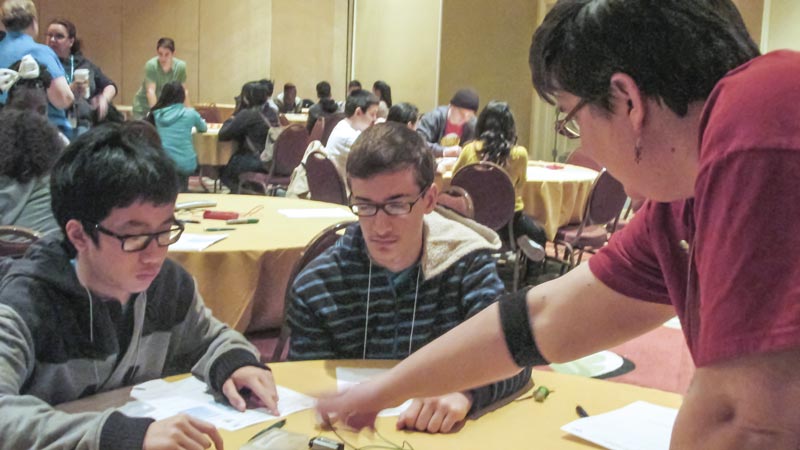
x: 554, y: 194
x: 210, y: 151
x: 243, y: 277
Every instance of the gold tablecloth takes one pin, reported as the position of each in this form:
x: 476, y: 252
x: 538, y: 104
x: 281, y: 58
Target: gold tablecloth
x: 518, y: 425
x: 554, y: 197
x: 210, y: 151
x: 243, y: 278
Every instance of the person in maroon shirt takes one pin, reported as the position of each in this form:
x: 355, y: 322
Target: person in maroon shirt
x: 672, y: 97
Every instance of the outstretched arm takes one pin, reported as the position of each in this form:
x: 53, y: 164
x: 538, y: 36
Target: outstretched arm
x: 570, y: 317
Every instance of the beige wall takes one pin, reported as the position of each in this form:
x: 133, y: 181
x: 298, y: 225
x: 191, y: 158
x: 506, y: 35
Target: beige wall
x: 223, y: 43
x: 485, y: 45
x: 782, y: 30
x: 397, y: 41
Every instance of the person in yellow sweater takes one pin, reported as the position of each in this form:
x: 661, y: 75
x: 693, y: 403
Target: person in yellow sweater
x: 496, y: 142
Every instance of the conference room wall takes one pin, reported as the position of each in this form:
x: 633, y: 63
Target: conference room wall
x: 485, y: 45
x: 780, y: 23
x: 397, y: 41
x: 223, y: 43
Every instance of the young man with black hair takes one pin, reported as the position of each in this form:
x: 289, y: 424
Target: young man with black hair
x: 401, y: 277
x: 361, y: 109
x: 324, y: 107
x: 672, y: 98
x: 103, y: 308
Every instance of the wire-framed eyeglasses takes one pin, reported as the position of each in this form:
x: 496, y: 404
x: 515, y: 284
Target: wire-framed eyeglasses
x: 137, y: 242
x: 393, y: 208
x: 568, y: 126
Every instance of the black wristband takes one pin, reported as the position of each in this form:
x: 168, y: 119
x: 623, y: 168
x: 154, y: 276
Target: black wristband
x: 517, y: 330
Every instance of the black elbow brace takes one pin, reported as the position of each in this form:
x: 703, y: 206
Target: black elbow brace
x: 517, y: 330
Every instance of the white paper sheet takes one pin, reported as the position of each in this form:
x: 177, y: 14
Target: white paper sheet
x: 159, y: 399
x: 196, y: 242
x: 316, y: 213
x: 350, y: 376
x: 638, y: 426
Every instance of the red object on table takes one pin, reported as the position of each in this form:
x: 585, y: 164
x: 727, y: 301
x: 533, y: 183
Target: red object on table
x: 220, y: 215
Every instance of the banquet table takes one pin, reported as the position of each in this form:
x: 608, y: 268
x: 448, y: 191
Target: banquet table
x: 519, y: 424
x: 554, y: 194
x: 243, y: 277
x: 300, y: 118
x: 210, y: 151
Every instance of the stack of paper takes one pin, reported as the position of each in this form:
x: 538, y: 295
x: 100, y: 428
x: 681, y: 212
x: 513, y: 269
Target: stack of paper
x: 196, y: 242
x: 346, y: 377
x: 638, y: 426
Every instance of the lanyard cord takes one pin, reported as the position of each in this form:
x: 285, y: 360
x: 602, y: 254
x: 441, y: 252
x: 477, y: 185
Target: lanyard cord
x: 413, y: 314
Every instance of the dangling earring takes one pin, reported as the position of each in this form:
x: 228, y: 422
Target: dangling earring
x: 637, y: 151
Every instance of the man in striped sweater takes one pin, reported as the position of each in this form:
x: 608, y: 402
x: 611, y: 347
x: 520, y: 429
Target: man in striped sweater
x: 399, y: 278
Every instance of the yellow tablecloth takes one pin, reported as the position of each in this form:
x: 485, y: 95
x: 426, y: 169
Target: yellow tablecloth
x: 210, y: 151
x: 243, y: 277
x: 554, y: 197
x: 525, y: 424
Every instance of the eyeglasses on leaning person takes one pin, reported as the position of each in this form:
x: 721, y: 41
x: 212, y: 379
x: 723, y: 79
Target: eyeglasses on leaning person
x: 393, y: 208
x: 137, y: 242
x: 567, y: 126
x: 55, y: 36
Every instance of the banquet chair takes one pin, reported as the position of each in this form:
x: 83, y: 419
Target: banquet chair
x: 330, y: 123
x: 14, y: 240
x: 603, y: 207
x: 318, y: 244
x: 209, y: 112
x: 287, y: 153
x: 324, y: 182
x: 493, y: 198
x: 283, y: 120
x: 316, y: 131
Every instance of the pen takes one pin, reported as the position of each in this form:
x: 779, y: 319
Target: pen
x: 581, y: 412
x: 238, y: 221
x: 278, y: 424
x: 220, y: 229
x: 190, y: 221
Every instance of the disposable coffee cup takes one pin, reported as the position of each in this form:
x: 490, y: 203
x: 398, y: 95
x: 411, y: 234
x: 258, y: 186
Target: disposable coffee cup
x: 82, y: 76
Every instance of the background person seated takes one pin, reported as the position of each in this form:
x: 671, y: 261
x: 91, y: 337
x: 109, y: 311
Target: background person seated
x: 405, y: 113
x: 448, y: 127
x: 324, y: 107
x: 30, y: 146
x: 288, y: 101
x: 249, y: 128
x: 174, y: 123
x: 361, y: 110
x: 104, y: 308
x: 400, y: 277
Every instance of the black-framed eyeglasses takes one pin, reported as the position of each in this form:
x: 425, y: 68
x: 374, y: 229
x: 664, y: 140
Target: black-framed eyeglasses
x: 137, y: 242
x: 393, y: 208
x: 55, y: 36
x: 567, y: 126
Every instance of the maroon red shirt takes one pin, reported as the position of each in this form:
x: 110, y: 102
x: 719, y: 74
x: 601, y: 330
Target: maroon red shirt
x: 742, y: 227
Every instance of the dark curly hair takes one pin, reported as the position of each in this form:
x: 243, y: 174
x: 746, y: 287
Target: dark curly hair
x: 29, y: 144
x: 495, y: 127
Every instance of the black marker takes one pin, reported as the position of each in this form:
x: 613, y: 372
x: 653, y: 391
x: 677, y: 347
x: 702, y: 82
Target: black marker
x: 581, y: 412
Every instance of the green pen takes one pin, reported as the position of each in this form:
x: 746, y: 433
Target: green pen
x: 278, y: 424
x: 220, y: 229
x: 240, y: 221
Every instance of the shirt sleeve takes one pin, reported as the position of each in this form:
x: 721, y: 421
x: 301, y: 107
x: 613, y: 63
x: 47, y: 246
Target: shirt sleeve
x: 199, y: 122
x: 310, y: 339
x: 746, y: 248
x: 628, y: 264
x: 47, y: 57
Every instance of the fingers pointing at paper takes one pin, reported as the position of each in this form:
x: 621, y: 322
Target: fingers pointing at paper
x: 260, y: 383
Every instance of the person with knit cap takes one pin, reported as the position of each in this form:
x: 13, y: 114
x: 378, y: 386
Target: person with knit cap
x: 448, y: 127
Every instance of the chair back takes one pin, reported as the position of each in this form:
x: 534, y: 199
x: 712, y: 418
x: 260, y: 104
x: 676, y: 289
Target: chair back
x: 330, y: 124
x: 324, y: 182
x: 318, y: 244
x: 456, y: 198
x: 283, y: 120
x: 209, y: 112
x: 288, y: 150
x: 579, y: 158
x: 491, y: 190
x: 14, y: 240
x: 316, y: 132
x: 606, y: 200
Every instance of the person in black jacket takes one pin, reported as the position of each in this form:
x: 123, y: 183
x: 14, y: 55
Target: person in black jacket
x: 324, y: 107
x: 249, y: 129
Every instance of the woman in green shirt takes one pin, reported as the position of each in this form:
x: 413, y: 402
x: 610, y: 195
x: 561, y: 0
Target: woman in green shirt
x: 159, y: 71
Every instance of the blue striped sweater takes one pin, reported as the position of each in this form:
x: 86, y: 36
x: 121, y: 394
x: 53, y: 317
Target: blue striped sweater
x: 457, y: 279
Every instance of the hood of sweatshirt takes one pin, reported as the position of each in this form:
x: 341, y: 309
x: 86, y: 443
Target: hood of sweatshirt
x: 169, y: 115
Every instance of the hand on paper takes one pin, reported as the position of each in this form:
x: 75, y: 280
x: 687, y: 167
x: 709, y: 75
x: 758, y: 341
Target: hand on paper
x: 356, y: 407
x: 260, y: 383
x: 181, y: 431
x: 436, y: 414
